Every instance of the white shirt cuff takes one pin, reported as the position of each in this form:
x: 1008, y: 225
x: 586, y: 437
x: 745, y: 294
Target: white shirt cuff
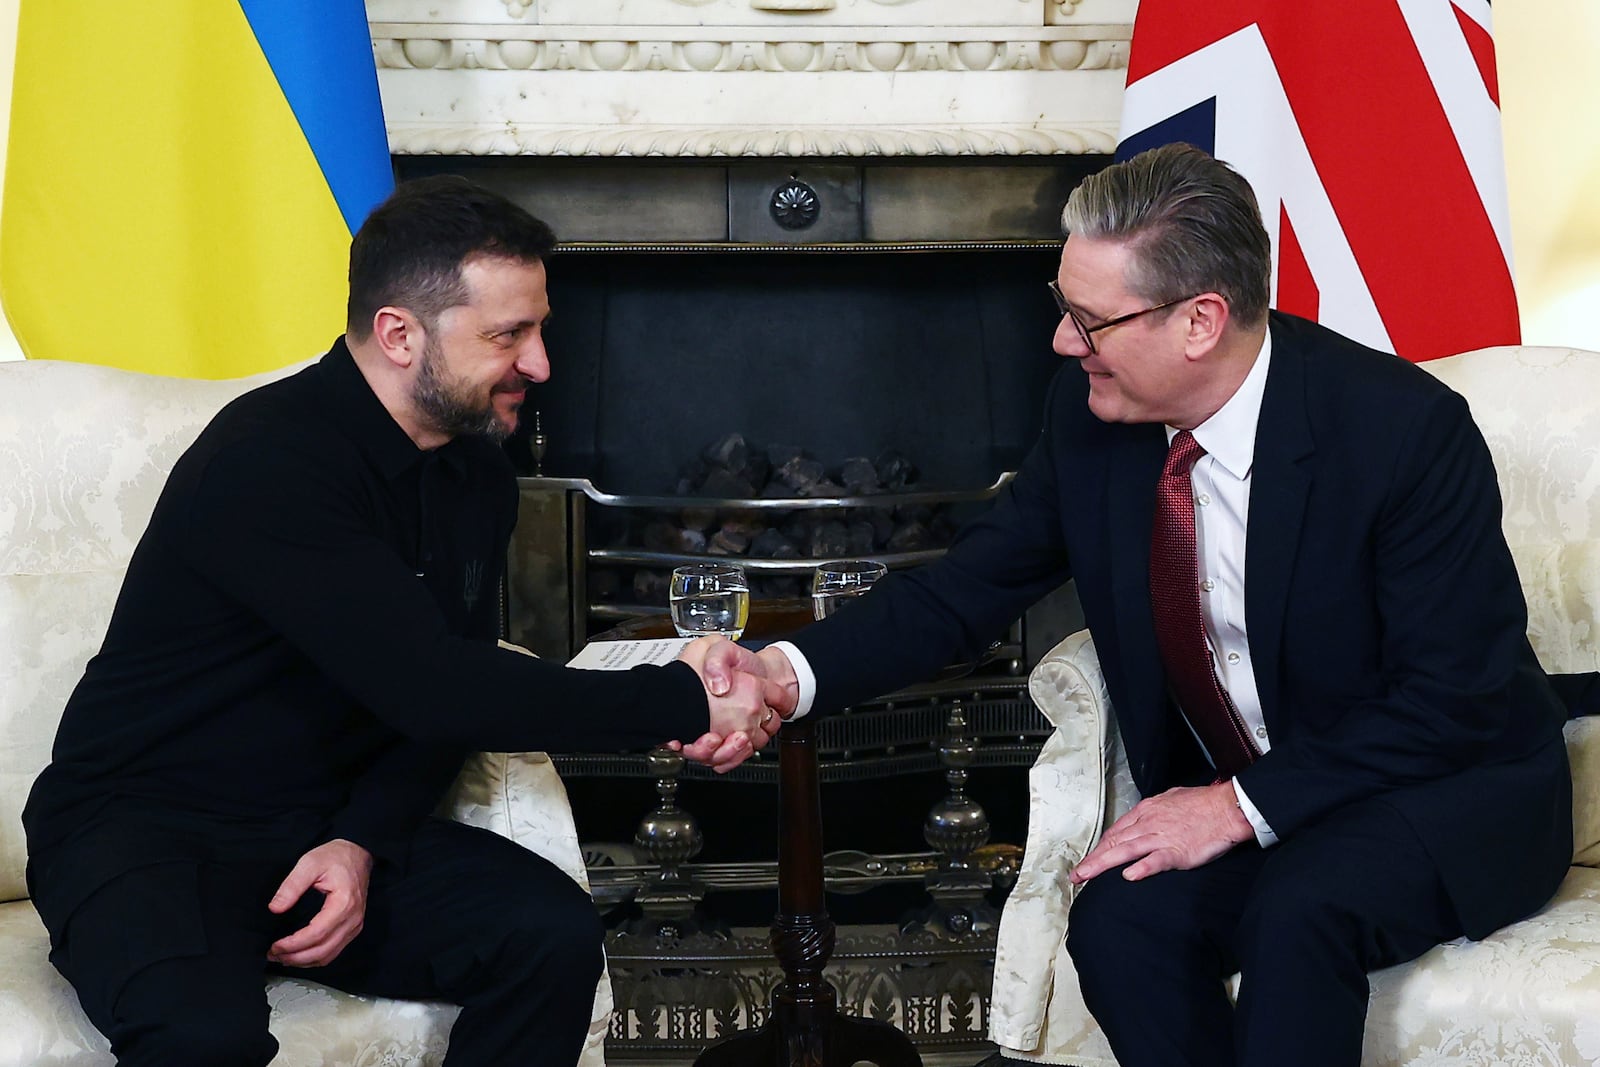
x: 1264, y: 835
x: 802, y: 674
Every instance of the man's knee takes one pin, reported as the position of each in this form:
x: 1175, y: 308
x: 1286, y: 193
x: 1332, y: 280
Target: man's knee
x: 567, y: 940
x: 188, y: 1037
x: 1109, y: 917
x: 209, y: 1009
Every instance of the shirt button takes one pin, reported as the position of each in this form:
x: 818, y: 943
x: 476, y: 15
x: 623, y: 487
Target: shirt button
x: 1204, y: 499
x: 1261, y: 732
x: 1208, y: 585
x: 1233, y: 657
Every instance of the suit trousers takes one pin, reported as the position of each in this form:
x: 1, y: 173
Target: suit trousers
x: 169, y: 959
x: 1302, y: 922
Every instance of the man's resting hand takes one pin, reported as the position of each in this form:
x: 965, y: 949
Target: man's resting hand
x: 1180, y: 829
x: 341, y: 870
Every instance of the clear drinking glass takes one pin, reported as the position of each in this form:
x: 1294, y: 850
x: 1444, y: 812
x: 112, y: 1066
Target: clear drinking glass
x: 709, y: 598
x: 836, y: 583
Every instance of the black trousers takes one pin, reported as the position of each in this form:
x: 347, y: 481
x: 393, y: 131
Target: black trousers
x: 169, y: 958
x: 1302, y: 923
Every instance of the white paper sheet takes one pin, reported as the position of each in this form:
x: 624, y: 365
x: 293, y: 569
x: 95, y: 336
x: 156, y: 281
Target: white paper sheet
x: 620, y: 655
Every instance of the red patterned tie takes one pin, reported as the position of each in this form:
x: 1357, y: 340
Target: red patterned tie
x: 1180, y: 629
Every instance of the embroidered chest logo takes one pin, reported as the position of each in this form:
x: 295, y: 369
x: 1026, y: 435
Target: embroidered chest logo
x: 472, y: 584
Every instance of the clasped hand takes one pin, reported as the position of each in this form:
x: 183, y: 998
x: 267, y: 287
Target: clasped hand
x: 749, y: 694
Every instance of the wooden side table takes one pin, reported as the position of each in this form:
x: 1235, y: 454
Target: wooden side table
x: 804, y: 1027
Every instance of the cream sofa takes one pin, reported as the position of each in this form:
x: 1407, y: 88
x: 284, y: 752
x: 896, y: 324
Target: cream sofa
x: 84, y: 451
x: 1527, y: 995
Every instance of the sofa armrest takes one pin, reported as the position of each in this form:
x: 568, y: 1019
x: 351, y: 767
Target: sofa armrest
x: 1069, y: 688
x: 1078, y: 785
x: 519, y: 796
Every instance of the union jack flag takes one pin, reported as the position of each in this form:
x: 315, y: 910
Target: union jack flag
x: 1370, y: 131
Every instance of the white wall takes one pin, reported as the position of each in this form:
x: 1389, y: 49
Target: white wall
x: 1550, y: 100
x: 1550, y: 97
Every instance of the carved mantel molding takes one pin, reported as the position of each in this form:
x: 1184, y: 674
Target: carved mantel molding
x: 1086, y: 48
x: 708, y: 141
x: 751, y: 77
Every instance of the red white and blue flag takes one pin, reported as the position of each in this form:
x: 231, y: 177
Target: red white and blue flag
x: 1370, y: 131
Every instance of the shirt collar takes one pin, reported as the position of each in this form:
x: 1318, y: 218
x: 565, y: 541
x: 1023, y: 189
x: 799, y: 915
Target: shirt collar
x: 361, y: 415
x: 1229, y: 436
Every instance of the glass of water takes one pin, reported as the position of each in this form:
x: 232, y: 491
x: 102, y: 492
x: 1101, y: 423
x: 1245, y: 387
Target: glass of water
x: 709, y: 598
x: 838, y: 582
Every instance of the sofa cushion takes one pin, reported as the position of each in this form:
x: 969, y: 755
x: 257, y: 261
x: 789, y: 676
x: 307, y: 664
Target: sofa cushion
x: 78, y: 481
x: 1528, y: 401
x: 518, y: 795
x: 41, y: 1023
x: 1528, y: 994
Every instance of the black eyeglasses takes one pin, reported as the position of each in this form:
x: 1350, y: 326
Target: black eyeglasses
x: 1085, y: 331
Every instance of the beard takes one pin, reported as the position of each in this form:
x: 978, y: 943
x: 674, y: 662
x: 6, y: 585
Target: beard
x: 450, y: 405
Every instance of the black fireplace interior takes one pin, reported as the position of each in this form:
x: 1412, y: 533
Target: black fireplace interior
x: 912, y: 314
x: 943, y: 356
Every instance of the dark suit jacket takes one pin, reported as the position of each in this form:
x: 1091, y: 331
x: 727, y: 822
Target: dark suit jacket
x: 1386, y: 621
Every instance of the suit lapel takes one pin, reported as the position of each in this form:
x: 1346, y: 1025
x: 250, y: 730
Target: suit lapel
x: 1280, y: 483
x: 1134, y: 468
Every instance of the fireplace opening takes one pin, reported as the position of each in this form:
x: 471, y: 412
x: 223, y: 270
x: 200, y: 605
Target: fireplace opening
x: 941, y: 356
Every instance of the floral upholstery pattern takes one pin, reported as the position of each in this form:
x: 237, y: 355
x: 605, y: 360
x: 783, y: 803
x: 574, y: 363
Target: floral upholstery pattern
x: 1526, y: 995
x: 84, y: 452
x: 1539, y: 411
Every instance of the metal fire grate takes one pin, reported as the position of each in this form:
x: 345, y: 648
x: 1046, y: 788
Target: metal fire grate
x: 553, y: 553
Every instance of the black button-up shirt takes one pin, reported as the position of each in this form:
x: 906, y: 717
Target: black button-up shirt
x: 305, y: 639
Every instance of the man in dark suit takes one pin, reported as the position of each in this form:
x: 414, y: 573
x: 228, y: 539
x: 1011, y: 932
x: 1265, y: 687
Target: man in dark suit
x: 1289, y: 553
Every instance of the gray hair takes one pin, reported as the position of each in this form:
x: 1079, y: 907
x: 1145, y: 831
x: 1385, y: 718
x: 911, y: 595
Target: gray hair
x: 1191, y: 222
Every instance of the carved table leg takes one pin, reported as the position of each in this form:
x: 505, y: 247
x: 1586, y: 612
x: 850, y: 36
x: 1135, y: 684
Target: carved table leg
x: 804, y: 1028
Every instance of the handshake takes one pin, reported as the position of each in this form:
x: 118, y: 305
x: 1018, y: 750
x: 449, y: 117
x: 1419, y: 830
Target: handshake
x: 750, y: 694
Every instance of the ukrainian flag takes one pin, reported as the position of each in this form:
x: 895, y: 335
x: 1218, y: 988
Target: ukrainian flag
x: 183, y: 177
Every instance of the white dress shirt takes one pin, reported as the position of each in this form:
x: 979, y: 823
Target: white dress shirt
x: 1221, y: 484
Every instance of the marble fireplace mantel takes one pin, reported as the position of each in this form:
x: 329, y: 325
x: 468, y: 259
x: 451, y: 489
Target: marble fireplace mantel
x: 755, y: 78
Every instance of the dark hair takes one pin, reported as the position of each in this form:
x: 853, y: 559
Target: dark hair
x: 410, y: 250
x: 1191, y: 222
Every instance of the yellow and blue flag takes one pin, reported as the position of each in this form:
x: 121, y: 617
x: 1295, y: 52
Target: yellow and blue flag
x: 181, y: 187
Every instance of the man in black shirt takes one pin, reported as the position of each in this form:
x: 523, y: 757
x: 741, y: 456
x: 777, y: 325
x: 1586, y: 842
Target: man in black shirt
x: 301, y: 656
